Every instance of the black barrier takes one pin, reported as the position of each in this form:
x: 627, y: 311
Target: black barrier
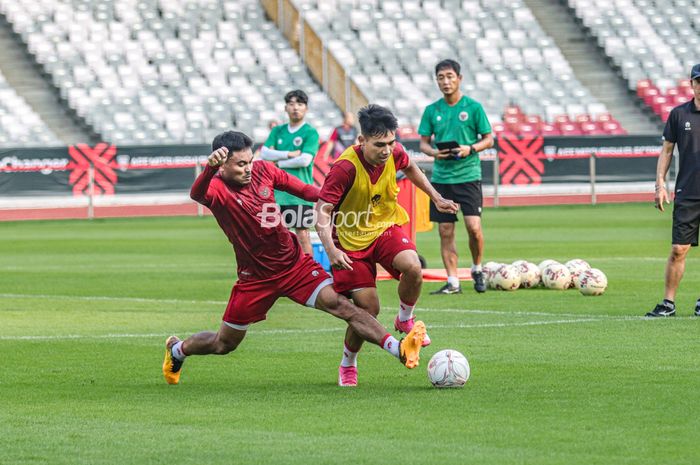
x: 167, y: 169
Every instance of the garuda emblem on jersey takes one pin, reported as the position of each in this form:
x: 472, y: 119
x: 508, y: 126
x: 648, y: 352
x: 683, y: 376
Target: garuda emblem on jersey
x: 264, y: 192
x: 297, y: 141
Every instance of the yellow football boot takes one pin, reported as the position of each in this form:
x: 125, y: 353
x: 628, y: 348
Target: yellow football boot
x: 171, y: 366
x: 409, y: 347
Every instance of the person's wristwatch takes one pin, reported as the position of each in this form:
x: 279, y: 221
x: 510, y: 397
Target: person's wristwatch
x: 472, y: 150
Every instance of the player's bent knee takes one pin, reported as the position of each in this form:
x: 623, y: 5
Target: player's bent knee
x: 679, y: 251
x: 412, y: 273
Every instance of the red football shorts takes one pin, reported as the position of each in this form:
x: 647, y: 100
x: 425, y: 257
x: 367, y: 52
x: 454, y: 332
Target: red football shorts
x: 364, y: 262
x: 251, y: 299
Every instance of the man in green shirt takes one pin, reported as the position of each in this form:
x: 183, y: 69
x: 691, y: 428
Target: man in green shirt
x: 456, y: 171
x: 292, y: 147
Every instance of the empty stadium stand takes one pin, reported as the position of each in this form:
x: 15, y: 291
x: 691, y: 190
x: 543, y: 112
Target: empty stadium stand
x: 390, y: 48
x: 653, y: 44
x: 167, y: 71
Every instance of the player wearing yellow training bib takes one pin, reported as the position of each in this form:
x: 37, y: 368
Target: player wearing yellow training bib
x: 359, y: 222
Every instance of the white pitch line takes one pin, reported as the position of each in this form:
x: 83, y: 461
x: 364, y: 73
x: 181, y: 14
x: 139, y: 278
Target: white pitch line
x: 518, y: 313
x: 114, y: 266
x: 269, y: 332
x: 112, y: 299
x: 290, y: 304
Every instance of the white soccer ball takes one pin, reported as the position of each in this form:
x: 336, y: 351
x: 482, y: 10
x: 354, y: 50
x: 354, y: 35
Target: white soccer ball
x: 489, y: 270
x: 544, y: 264
x: 576, y: 267
x: 529, y: 274
x: 507, y: 278
x: 592, y: 282
x: 556, y: 276
x: 448, y: 369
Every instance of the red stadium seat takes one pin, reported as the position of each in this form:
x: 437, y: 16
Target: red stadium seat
x: 497, y: 127
x: 549, y: 130
x: 642, y: 86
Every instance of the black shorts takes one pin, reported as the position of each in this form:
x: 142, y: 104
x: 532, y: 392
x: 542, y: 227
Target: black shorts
x: 297, y: 216
x: 466, y: 194
x: 686, y: 221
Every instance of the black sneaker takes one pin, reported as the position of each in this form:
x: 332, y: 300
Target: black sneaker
x: 662, y: 310
x: 697, y: 311
x: 448, y: 289
x: 479, y: 283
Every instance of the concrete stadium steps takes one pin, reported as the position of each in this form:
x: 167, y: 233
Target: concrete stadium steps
x: 22, y: 73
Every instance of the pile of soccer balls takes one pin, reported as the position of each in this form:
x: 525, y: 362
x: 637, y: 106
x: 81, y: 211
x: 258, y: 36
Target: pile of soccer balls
x: 551, y: 274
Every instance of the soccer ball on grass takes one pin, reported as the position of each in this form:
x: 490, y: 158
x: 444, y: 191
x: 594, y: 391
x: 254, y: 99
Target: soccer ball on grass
x: 507, y: 278
x: 448, y: 369
x: 556, y: 276
x: 592, y: 282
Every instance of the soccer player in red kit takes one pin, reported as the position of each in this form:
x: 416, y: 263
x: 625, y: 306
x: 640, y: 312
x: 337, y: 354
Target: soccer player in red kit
x: 359, y: 222
x: 270, y: 260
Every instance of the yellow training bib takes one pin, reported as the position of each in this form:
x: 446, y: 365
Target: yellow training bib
x: 368, y: 209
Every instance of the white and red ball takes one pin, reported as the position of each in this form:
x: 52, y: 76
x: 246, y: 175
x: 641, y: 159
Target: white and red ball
x: 576, y: 267
x: 592, y: 282
x: 489, y: 270
x: 507, y: 278
x: 544, y: 264
x: 448, y: 369
x: 556, y: 276
x: 530, y: 275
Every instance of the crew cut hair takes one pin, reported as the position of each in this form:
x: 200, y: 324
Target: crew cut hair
x: 376, y: 121
x: 448, y: 64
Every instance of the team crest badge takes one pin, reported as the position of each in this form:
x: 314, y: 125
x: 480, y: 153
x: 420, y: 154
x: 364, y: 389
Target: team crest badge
x: 439, y: 118
x: 314, y: 273
x: 687, y: 126
x: 297, y: 141
x: 463, y: 116
x: 264, y: 192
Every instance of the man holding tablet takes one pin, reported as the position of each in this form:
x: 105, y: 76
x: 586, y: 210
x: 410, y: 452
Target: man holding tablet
x: 456, y: 122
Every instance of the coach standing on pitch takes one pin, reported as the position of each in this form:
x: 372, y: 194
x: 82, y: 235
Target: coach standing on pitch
x: 457, y: 172
x: 682, y: 129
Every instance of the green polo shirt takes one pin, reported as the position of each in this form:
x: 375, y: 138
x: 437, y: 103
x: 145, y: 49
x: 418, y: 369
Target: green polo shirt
x: 463, y: 122
x: 305, y: 139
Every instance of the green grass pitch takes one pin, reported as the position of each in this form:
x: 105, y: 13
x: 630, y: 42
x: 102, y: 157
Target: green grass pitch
x: 557, y: 378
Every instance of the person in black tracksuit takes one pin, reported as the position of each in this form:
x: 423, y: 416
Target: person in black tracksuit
x: 682, y: 129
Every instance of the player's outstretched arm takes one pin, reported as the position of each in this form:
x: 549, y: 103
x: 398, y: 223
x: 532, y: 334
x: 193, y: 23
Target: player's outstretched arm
x: 199, y: 189
x: 664, y: 163
x: 417, y: 177
x: 293, y: 185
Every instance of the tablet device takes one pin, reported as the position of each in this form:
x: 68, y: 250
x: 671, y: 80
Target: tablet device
x: 450, y: 144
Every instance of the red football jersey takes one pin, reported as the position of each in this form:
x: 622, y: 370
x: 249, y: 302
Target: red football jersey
x: 262, y: 251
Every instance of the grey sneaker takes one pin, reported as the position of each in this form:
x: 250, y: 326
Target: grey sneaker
x: 447, y: 289
x: 479, y: 282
